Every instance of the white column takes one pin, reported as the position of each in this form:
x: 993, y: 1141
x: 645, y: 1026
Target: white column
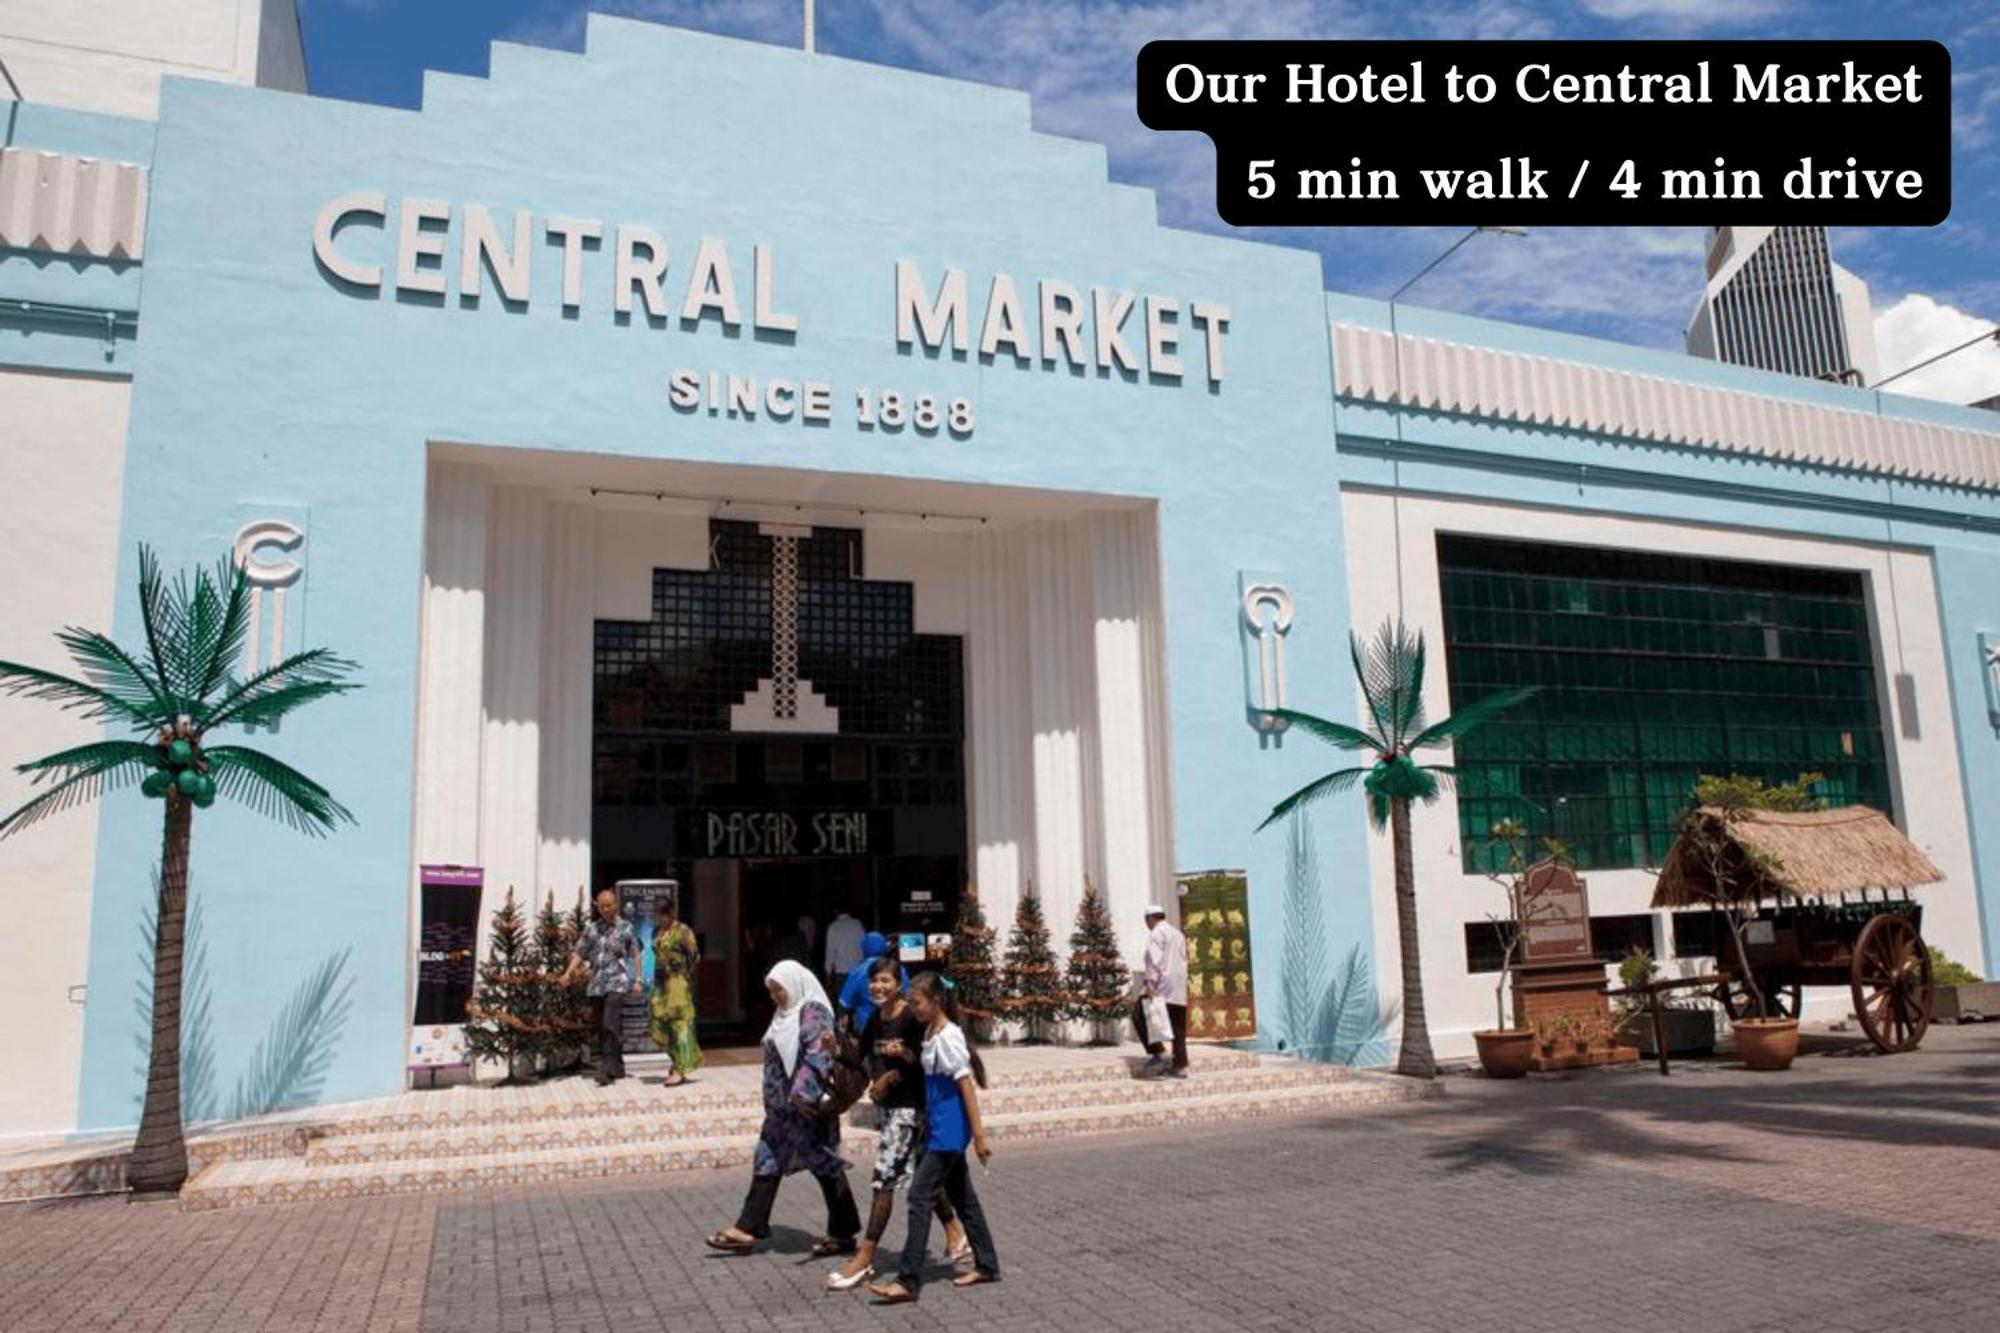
x: 999, y: 762
x: 511, y: 753
x: 1058, y: 713
x: 1125, y: 728
x: 1145, y: 535
x: 452, y: 670
x: 569, y: 628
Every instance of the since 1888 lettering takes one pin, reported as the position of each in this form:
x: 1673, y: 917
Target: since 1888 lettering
x: 719, y: 393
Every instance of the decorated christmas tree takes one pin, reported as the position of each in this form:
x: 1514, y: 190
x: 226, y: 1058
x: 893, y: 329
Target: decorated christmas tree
x: 503, y: 1019
x: 1097, y: 981
x: 565, y: 1010
x: 1030, y: 976
x: 975, y: 979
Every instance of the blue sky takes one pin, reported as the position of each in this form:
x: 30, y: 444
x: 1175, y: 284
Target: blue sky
x: 1932, y: 286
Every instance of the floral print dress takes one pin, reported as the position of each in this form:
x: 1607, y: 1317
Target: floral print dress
x: 794, y: 1139
x: 675, y: 953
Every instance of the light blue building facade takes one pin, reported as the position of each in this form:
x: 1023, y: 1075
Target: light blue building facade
x: 1135, y: 485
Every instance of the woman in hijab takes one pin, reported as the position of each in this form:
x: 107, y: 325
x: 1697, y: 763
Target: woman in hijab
x: 798, y: 1051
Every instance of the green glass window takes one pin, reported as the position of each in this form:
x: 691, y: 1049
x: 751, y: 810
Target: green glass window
x: 1653, y: 669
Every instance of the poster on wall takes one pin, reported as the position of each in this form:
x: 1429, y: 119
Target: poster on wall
x: 447, y: 946
x: 641, y: 901
x: 1215, y: 917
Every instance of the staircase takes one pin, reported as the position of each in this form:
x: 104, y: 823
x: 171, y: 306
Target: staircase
x: 484, y: 1135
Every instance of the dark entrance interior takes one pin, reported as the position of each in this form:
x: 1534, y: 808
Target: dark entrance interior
x: 772, y: 835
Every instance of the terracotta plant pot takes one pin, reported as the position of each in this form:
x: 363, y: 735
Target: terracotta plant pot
x: 1767, y: 1043
x: 1507, y: 1052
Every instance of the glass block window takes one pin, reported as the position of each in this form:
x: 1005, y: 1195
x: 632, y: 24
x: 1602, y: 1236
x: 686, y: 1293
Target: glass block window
x: 709, y: 643
x: 1654, y: 669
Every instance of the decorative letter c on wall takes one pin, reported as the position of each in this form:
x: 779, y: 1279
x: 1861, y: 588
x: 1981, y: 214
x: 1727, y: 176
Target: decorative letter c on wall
x: 1267, y: 613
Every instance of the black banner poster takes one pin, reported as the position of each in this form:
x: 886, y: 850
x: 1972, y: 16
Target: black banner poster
x: 447, y: 941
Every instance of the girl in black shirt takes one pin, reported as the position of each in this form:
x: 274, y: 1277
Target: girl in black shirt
x: 892, y: 1044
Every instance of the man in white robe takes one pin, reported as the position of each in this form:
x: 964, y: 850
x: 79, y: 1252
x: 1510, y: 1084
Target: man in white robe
x: 1166, y: 979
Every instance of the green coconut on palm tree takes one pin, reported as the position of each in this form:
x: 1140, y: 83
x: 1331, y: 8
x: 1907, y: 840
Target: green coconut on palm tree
x: 171, y: 696
x: 1391, y: 672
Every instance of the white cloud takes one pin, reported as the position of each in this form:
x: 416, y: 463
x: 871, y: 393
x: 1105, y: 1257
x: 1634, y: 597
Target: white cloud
x: 1686, y: 13
x: 1917, y: 327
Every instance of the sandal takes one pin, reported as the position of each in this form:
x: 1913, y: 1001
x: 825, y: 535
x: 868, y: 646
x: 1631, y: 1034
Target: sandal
x: 673, y: 1080
x: 960, y: 1252
x: 892, y: 1293
x: 728, y: 1244
x: 973, y: 1279
x: 828, y: 1248
x: 839, y: 1281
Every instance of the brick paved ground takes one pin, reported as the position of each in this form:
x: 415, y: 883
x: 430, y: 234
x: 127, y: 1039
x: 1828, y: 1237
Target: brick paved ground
x: 1856, y: 1193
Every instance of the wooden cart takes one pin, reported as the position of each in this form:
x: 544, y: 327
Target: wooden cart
x: 1833, y: 908
x: 1873, y: 947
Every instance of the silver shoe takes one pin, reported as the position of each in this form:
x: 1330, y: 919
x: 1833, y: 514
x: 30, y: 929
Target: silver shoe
x: 836, y: 1281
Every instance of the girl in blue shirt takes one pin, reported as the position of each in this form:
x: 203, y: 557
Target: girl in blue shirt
x: 953, y: 1075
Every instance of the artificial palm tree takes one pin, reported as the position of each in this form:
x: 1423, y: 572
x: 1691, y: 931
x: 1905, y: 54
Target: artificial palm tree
x: 1391, y: 672
x: 172, y: 695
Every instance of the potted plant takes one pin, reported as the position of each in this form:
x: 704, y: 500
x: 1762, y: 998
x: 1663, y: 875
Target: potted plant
x: 1689, y: 1025
x: 1583, y: 1033
x: 1548, y: 1030
x: 1509, y: 1052
x: 1734, y: 880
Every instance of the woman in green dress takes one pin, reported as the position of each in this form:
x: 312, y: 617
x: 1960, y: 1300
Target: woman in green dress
x: 675, y: 953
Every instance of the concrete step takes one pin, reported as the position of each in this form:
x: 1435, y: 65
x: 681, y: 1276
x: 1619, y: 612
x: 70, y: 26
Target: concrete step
x: 1178, y: 1103
x: 232, y: 1184
x: 573, y: 1100
x: 72, y: 1169
x: 667, y: 1119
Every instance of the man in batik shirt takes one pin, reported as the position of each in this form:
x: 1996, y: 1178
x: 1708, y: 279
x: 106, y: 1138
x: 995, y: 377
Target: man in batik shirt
x: 607, y: 952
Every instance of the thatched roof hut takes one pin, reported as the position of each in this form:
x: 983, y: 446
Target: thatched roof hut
x: 1810, y: 853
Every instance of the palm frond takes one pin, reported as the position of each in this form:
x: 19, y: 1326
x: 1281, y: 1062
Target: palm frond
x: 96, y: 757
x: 116, y: 671
x: 233, y: 628
x: 79, y: 775
x: 276, y: 703
x: 1472, y: 715
x: 1333, y: 733
x: 274, y: 788
x: 208, y: 617
x: 1391, y: 671
x: 1396, y: 675
x: 1363, y: 677
x: 317, y: 666
x: 1410, y: 709
x: 94, y: 701
x: 154, y: 614
x: 1336, y: 781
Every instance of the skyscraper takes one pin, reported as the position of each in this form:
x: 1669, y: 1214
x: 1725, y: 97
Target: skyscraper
x: 1776, y: 300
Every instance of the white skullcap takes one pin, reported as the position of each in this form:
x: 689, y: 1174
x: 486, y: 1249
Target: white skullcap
x: 1154, y: 909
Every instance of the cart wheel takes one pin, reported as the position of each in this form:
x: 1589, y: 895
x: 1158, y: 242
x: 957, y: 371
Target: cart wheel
x: 1734, y: 997
x: 1892, y: 983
